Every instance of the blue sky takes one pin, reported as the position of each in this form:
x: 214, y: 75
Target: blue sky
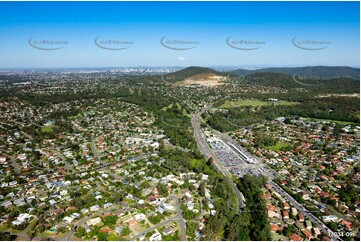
x: 272, y: 25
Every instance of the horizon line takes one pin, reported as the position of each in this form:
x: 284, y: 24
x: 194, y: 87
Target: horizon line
x: 178, y: 66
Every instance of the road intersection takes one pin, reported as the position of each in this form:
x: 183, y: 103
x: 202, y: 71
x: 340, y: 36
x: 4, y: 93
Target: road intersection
x: 257, y: 168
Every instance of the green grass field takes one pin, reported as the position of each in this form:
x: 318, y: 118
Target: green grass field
x: 74, y: 117
x: 278, y: 146
x: 48, y: 128
x: 193, y: 162
x: 253, y: 103
x: 165, y: 108
x: 329, y: 121
x: 171, y: 106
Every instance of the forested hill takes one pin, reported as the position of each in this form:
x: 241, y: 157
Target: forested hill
x: 337, y: 84
x: 188, y: 72
x: 332, y: 79
x: 308, y: 71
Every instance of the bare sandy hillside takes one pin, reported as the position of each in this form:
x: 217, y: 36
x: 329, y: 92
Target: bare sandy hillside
x: 206, y: 80
x: 340, y: 95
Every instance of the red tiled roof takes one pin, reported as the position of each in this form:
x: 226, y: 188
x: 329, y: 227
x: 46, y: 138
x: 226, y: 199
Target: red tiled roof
x: 105, y: 230
x: 132, y: 222
x: 346, y: 223
x: 324, y: 194
x: 266, y: 196
x: 272, y: 208
x: 307, y: 233
x: 152, y: 198
x: 295, y: 237
x: 60, y: 210
x: 316, y: 189
x: 275, y: 228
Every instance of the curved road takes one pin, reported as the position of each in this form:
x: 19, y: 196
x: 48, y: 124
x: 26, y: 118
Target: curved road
x: 177, y: 218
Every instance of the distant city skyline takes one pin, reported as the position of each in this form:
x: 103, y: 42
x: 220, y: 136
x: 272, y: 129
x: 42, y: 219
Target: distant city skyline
x: 226, y: 67
x: 182, y: 34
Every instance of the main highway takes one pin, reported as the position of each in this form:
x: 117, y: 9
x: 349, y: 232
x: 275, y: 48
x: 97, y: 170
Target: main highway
x: 266, y: 171
x: 206, y: 150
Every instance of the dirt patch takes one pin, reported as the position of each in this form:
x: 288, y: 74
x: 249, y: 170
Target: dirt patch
x: 204, y: 80
x: 340, y: 95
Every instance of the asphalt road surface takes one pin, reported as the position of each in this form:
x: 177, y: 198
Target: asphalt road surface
x: 177, y: 218
x: 206, y: 150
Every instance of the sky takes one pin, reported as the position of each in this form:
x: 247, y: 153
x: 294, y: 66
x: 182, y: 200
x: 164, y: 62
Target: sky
x: 242, y: 34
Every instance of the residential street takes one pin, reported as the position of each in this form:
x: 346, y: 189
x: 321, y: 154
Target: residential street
x: 177, y: 218
x: 269, y: 173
